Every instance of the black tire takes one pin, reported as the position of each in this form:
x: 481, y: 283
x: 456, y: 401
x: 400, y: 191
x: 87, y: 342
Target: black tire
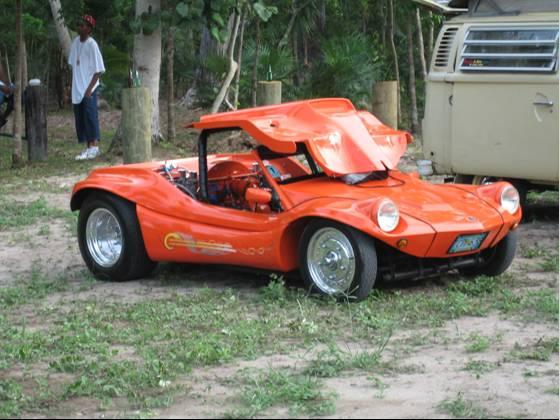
x: 463, y: 179
x: 365, y: 257
x: 133, y: 262
x: 497, y: 259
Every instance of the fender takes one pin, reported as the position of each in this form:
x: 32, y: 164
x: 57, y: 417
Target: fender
x: 357, y: 214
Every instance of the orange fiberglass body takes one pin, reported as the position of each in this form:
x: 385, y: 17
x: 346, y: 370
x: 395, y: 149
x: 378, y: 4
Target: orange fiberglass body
x: 323, y: 177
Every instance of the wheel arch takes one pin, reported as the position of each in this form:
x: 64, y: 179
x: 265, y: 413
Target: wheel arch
x: 290, y: 237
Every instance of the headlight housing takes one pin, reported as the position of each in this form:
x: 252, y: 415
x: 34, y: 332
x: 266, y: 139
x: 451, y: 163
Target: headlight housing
x: 388, y: 215
x: 510, y: 199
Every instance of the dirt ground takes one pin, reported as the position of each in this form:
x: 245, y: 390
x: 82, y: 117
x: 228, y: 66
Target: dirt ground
x: 434, y: 372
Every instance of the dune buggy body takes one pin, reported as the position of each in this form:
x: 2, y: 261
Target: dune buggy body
x: 312, y: 196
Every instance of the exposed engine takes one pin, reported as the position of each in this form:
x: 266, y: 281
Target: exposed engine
x: 228, y: 183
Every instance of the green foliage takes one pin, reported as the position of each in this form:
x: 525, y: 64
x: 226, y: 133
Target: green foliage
x: 263, y: 11
x: 347, y: 69
x: 478, y: 343
x: 301, y: 393
x: 11, y: 398
x: 462, y: 408
x: 13, y: 214
x: 541, y: 351
x: 480, y: 367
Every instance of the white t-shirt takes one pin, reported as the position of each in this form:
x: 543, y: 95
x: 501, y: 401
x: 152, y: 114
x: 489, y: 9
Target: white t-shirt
x: 86, y: 60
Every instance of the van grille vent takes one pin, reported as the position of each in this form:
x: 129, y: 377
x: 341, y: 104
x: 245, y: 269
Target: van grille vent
x: 505, y: 50
x: 445, y: 47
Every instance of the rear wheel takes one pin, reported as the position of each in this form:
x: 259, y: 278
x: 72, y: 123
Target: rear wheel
x: 110, y: 239
x: 497, y: 259
x: 337, y: 260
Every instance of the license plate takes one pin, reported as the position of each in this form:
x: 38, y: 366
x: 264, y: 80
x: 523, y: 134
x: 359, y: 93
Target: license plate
x: 467, y: 243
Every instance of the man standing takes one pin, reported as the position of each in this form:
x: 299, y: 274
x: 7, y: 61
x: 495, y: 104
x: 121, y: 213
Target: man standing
x: 6, y: 95
x: 6, y: 88
x: 87, y: 66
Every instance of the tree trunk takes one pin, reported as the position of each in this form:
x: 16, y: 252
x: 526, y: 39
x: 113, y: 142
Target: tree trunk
x: 232, y: 67
x: 430, y: 38
x: 383, y: 18
x: 136, y: 128
x: 394, y: 54
x: 24, y: 72
x: 256, y: 60
x: 171, y: 131
x: 294, y: 12
x: 412, y: 89
x: 322, y: 17
x: 421, y: 44
x: 296, y: 61
x: 239, y: 61
x: 17, y: 150
x: 61, y: 28
x: 3, y: 76
x: 147, y: 60
x: 7, y: 65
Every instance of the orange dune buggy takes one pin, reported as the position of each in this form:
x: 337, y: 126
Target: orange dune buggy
x: 320, y: 194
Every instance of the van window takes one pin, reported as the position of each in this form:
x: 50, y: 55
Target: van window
x: 510, y: 50
x: 499, y: 7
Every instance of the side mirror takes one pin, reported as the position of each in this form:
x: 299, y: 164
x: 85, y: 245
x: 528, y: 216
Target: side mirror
x: 258, y: 196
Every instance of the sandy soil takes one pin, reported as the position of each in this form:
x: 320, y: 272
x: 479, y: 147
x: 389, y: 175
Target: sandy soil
x: 433, y: 373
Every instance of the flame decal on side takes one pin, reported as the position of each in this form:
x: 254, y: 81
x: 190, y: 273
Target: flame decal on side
x: 173, y: 241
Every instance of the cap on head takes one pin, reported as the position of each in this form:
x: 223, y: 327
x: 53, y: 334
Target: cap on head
x: 89, y: 20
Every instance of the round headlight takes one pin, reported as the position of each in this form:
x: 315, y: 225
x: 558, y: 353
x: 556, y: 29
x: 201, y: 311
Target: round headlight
x: 388, y: 216
x: 510, y: 199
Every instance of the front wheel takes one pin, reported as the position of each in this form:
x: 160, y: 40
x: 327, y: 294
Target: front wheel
x: 497, y: 259
x: 337, y: 260
x: 110, y: 239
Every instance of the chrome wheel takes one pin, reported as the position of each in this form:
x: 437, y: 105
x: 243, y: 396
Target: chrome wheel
x: 104, y: 237
x: 331, y: 261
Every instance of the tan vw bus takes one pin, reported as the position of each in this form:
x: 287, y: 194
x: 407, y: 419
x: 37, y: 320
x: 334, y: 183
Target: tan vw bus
x: 492, y: 107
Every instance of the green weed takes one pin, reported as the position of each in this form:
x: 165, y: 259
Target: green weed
x: 480, y: 367
x: 462, y: 408
x: 300, y: 393
x: 541, y: 351
x: 478, y: 343
x: 17, y: 215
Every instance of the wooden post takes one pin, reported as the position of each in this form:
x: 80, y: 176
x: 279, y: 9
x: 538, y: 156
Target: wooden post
x: 136, y: 125
x: 269, y: 93
x: 36, y: 123
x: 385, y: 102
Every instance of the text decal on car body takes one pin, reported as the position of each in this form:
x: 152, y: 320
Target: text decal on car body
x: 179, y: 240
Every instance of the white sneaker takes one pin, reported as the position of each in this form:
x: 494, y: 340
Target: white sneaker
x: 83, y: 155
x: 89, y: 153
x: 93, y: 152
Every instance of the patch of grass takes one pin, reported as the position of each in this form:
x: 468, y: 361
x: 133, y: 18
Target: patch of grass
x: 478, y: 343
x: 462, y: 408
x: 543, y: 197
x: 533, y: 252
x: 553, y: 391
x: 541, y: 351
x: 527, y: 374
x: 333, y: 361
x: 17, y: 215
x: 302, y: 394
x: 37, y: 286
x: 480, y: 367
x: 550, y: 264
x: 12, y: 399
x: 543, y: 304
